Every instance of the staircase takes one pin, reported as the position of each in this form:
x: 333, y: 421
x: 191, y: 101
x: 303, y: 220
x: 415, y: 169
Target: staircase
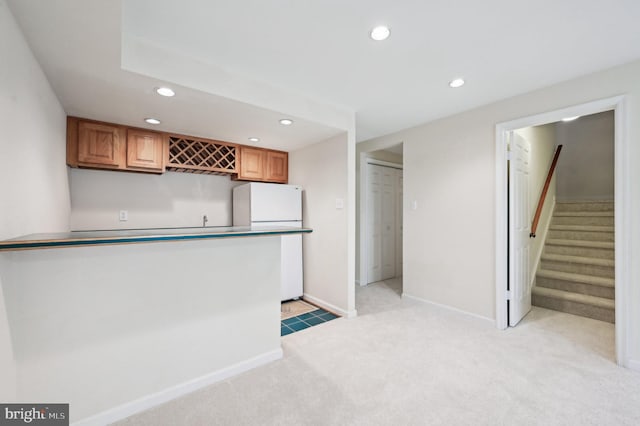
x: 577, y: 270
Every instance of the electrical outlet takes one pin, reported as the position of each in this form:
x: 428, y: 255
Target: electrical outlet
x: 124, y: 215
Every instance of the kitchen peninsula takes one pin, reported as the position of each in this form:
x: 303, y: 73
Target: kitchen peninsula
x: 147, y: 314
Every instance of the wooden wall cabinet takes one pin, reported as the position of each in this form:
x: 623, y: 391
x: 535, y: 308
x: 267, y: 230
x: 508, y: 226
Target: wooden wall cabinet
x: 252, y: 162
x: 262, y: 165
x: 93, y: 144
x: 97, y: 145
x: 277, y: 167
x: 145, y: 150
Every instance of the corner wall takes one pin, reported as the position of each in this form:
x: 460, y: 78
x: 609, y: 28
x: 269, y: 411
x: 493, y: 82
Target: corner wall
x: 322, y: 170
x: 35, y: 191
x: 450, y: 170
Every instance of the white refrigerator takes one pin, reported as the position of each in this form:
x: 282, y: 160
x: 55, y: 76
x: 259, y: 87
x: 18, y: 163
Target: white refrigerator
x: 272, y: 204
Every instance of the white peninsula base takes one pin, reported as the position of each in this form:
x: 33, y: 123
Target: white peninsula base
x: 116, y: 329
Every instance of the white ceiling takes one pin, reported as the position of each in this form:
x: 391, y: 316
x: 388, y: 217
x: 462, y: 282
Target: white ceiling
x: 240, y: 65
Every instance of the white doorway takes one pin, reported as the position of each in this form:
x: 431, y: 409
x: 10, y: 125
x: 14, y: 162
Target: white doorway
x: 384, y: 181
x: 505, y: 252
x: 383, y: 220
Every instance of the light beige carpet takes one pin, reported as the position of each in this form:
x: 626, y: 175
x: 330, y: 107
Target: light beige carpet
x: 402, y: 362
x: 293, y: 308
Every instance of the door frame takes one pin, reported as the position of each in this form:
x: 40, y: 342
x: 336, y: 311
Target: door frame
x: 364, y: 184
x: 622, y: 201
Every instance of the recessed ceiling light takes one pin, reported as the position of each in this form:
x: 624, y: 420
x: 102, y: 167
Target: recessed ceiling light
x: 165, y: 91
x: 254, y: 139
x: 456, y: 83
x: 152, y: 120
x: 570, y: 118
x: 380, y: 33
x: 286, y: 122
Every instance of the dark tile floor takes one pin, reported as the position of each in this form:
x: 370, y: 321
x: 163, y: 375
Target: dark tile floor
x: 303, y: 321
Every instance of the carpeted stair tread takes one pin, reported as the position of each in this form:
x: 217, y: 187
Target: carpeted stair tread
x: 581, y: 243
x: 578, y: 259
x: 587, y: 201
x: 583, y: 214
x: 587, y: 228
x: 584, y: 206
x: 593, y: 252
x: 584, y: 299
x: 584, y: 219
x: 580, y: 278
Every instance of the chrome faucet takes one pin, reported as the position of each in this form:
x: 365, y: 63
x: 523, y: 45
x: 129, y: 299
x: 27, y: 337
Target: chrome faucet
x: 204, y: 220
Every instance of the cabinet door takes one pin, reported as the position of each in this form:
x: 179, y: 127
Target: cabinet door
x: 252, y: 163
x: 277, y: 167
x: 145, y: 150
x: 99, y: 144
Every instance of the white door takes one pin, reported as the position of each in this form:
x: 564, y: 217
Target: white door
x: 399, y: 180
x: 384, y: 223
x: 388, y: 225
x: 374, y: 224
x: 519, y: 229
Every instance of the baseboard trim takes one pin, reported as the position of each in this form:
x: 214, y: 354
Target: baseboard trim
x: 330, y: 307
x: 449, y: 308
x: 633, y: 364
x: 142, y: 404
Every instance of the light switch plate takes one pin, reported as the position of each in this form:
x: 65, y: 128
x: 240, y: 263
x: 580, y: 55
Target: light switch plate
x: 339, y: 203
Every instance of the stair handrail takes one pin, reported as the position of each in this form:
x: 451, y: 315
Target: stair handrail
x: 543, y: 195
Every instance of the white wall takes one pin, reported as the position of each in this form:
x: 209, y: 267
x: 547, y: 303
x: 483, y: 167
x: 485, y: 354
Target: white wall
x: 34, y: 193
x: 449, y: 169
x: 543, y: 143
x: 321, y: 169
x: 7, y: 361
x: 152, y: 201
x: 586, y: 165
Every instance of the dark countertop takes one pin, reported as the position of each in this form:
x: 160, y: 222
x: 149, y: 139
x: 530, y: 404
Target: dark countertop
x: 131, y: 236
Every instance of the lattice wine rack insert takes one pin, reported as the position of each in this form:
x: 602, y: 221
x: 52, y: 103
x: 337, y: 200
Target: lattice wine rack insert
x: 198, y: 156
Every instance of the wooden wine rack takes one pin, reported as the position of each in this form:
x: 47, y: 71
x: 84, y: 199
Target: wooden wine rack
x: 191, y: 155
